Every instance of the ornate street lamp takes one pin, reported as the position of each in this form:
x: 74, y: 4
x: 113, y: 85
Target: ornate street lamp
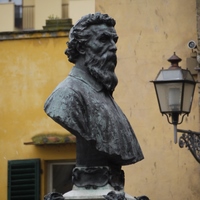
x: 175, y: 89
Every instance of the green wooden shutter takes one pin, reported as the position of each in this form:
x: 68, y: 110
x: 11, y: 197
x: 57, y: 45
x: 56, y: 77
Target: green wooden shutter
x: 24, y: 179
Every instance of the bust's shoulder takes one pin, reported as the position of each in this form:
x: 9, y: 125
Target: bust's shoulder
x: 71, y: 85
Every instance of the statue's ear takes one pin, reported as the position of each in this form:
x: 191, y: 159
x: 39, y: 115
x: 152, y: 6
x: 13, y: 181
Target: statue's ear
x: 80, y: 48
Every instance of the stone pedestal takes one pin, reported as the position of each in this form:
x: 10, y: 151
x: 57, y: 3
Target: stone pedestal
x: 78, y: 193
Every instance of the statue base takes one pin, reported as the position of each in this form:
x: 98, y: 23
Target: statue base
x: 80, y: 193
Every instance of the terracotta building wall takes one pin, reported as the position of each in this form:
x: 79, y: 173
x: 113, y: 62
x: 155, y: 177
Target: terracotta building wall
x: 149, y: 33
x: 30, y: 68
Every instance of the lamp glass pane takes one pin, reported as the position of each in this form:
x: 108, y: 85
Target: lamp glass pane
x: 187, y: 75
x: 188, y: 96
x: 169, y: 96
x: 169, y: 75
x: 174, y: 98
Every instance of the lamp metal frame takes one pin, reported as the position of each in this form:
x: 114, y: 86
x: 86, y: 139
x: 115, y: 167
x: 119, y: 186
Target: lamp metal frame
x: 189, y: 139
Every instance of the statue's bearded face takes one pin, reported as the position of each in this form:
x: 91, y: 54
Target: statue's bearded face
x: 100, y: 55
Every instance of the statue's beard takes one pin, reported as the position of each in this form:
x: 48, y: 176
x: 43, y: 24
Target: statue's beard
x: 102, y: 68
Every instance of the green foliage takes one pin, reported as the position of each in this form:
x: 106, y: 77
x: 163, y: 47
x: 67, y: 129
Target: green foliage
x: 53, y: 17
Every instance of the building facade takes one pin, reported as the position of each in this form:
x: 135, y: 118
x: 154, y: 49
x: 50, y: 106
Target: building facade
x: 26, y: 15
x: 33, y: 63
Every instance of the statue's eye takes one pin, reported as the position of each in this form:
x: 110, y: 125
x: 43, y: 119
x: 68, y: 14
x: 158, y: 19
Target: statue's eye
x: 115, y: 39
x: 104, y: 38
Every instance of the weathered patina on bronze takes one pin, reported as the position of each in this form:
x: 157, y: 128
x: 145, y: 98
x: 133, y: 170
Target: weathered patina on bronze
x: 54, y: 196
x: 83, y: 104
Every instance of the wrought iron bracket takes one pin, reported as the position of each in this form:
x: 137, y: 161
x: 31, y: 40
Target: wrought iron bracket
x: 191, y: 140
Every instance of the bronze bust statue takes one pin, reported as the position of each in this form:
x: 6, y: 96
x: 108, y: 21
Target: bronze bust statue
x: 83, y: 104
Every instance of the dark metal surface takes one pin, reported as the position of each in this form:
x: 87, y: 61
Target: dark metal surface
x: 174, y: 118
x: 115, y: 196
x: 53, y: 196
x: 94, y: 177
x: 191, y: 140
x: 83, y: 103
x: 142, y: 198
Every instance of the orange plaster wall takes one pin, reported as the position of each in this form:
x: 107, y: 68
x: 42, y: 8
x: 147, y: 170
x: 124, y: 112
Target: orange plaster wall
x: 29, y: 70
x: 149, y: 33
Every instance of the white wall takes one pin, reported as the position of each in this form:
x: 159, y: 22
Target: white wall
x: 28, y: 2
x: 7, y: 17
x: 45, y: 8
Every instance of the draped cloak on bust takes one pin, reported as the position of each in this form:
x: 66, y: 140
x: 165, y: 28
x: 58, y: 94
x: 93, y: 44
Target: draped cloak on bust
x: 83, y: 107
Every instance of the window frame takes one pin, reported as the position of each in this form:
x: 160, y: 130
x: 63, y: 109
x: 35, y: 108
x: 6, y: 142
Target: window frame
x: 19, y: 173
x: 49, y: 173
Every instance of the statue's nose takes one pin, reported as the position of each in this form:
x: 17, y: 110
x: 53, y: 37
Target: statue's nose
x: 113, y: 46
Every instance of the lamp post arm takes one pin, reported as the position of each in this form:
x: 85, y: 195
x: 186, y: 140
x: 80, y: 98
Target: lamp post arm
x: 191, y: 140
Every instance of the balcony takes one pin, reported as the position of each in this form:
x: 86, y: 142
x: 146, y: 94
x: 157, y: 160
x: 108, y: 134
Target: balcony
x: 31, y: 15
x: 24, y: 16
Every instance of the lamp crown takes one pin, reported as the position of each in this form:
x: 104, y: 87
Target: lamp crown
x: 174, y: 60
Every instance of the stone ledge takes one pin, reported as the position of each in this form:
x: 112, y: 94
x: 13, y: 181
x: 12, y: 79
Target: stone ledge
x: 33, y: 34
x: 93, y: 194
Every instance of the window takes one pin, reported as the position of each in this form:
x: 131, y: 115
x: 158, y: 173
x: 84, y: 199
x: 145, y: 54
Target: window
x: 24, y: 179
x: 18, y: 13
x: 59, y: 176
